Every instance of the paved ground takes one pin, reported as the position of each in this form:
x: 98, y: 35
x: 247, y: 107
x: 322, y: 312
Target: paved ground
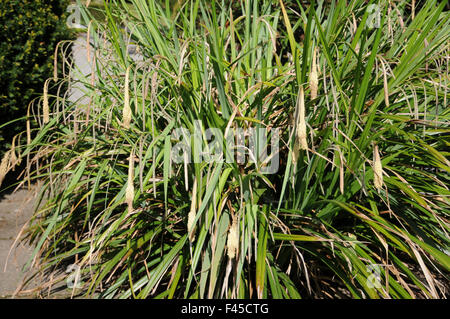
x: 15, y: 211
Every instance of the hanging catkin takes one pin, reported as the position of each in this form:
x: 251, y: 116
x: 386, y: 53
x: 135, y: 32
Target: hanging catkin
x: 4, y: 166
x: 313, y: 77
x: 88, y: 42
x: 13, y: 158
x: 46, y: 110
x: 129, y: 194
x: 126, y: 109
x: 55, y: 63
x: 233, y: 239
x: 377, y: 169
x: 301, y: 124
x: 28, y: 126
x: 300, y: 142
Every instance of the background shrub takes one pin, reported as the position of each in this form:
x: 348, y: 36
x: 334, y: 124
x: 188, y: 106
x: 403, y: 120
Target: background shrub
x: 31, y: 30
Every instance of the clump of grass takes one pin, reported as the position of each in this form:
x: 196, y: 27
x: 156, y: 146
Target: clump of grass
x: 336, y: 211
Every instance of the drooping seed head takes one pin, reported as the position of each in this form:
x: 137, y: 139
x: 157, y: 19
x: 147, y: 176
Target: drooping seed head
x: 377, y: 169
x: 46, y: 110
x: 300, y: 141
x: 88, y: 42
x: 191, y: 219
x: 13, y: 158
x: 55, y: 63
x: 301, y: 125
x: 126, y: 109
x: 233, y: 240
x: 4, y: 166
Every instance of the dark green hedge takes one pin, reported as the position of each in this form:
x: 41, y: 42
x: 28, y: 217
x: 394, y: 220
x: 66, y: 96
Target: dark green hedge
x: 30, y: 31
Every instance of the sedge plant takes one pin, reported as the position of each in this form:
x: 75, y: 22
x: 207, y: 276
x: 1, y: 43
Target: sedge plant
x: 359, y: 204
